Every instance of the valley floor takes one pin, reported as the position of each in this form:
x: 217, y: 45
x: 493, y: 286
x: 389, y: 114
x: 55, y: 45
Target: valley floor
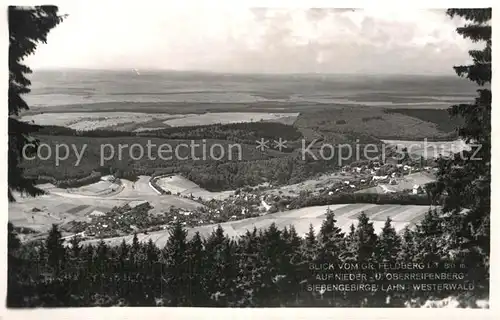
x: 301, y: 219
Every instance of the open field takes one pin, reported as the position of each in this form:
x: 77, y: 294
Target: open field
x: 418, y: 178
x: 430, y: 149
x: 405, y: 183
x: 92, y: 121
x: 313, y: 184
x: 60, y: 206
x: 228, y: 117
x: 377, y: 189
x: 178, y: 184
x: 130, y: 121
x: 346, y: 214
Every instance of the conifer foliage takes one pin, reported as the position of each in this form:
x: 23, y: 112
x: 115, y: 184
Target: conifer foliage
x: 270, y: 268
x: 466, y: 179
x: 27, y: 28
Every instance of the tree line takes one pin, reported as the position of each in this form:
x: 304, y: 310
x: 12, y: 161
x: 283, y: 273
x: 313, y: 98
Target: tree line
x: 262, y: 268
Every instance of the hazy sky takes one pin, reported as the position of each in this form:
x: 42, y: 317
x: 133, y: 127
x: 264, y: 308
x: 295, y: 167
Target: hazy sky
x: 253, y: 40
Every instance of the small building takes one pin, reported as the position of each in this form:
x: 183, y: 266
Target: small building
x: 97, y: 213
x: 417, y: 189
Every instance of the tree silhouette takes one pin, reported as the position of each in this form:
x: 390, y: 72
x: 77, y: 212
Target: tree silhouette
x: 28, y: 26
x: 389, y: 244
x: 13, y: 241
x: 75, y: 246
x: 216, y: 251
x: 388, y: 252
x: 15, y: 296
x: 331, y: 239
x: 331, y: 244
x: 466, y: 179
x: 176, y: 267
x: 196, y: 264
x: 268, y: 294
x: 365, y: 239
x: 291, y: 263
x: 55, y: 249
x: 408, y: 245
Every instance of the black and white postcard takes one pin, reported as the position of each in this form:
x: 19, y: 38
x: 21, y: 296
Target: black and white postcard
x: 248, y: 157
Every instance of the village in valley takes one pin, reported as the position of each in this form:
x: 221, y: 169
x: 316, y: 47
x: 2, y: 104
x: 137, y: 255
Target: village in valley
x: 135, y: 217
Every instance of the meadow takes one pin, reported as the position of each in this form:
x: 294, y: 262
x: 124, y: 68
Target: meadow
x: 139, y: 121
x: 345, y: 214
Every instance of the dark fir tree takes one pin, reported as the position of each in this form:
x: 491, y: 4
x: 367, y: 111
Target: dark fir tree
x: 135, y: 243
x: 429, y: 238
x: 408, y: 246
x: 230, y: 272
x: 465, y: 180
x: 74, y: 263
x: 388, y: 244
x: 311, y: 242
x: 135, y: 253
x: 291, y: 261
x: 309, y: 253
x: 268, y: 293
x: 216, y: 248
x: 365, y: 239
x: 360, y: 249
x: 75, y: 246
x: 55, y: 249
x: 13, y: 242
x: 331, y: 240
x: 15, y: 294
x: 388, y: 252
x: 101, y: 258
x: 176, y: 268
x: 196, y: 264
x: 250, y: 266
x: 28, y: 26
x: 124, y: 262
x: 330, y: 248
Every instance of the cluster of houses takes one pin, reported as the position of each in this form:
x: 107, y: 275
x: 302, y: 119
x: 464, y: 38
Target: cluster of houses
x: 118, y: 221
x: 384, y: 174
x: 134, y: 217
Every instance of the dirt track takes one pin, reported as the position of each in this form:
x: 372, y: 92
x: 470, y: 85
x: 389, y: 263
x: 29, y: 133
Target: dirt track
x: 61, y: 206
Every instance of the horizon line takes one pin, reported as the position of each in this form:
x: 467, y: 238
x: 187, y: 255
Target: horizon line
x: 452, y: 74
